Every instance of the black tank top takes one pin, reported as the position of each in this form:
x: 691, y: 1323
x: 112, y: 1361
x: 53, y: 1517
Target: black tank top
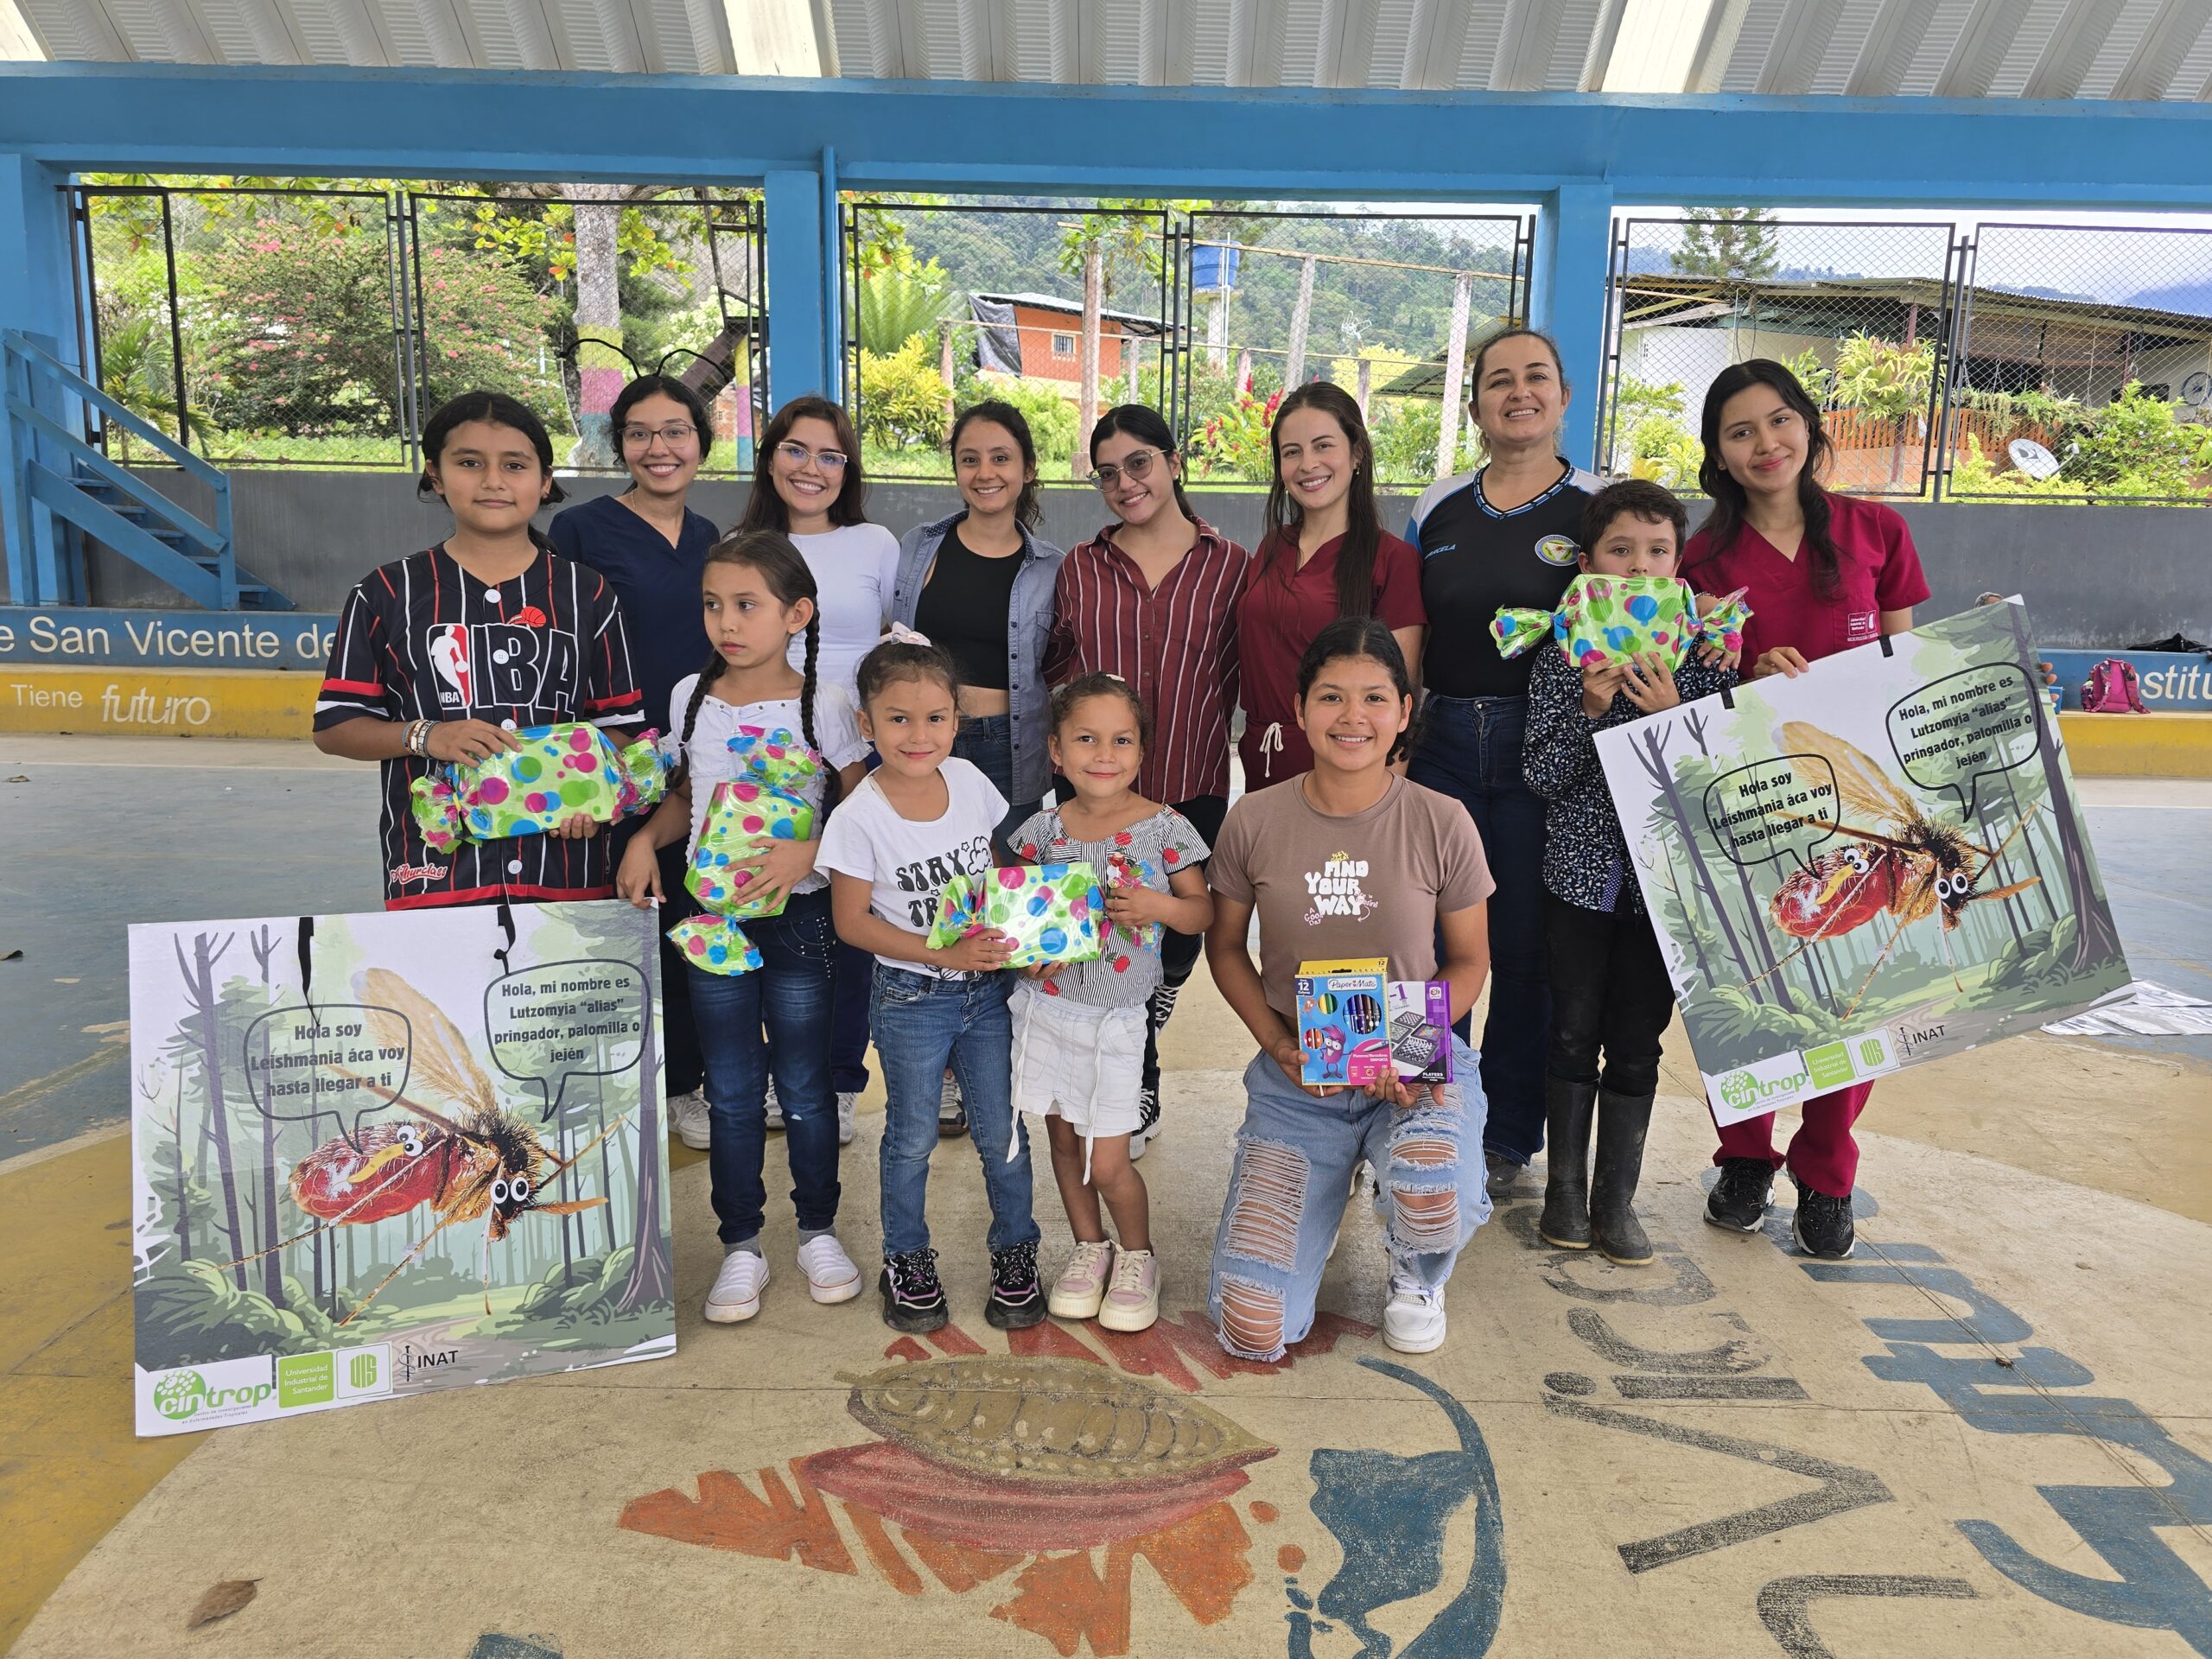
x: 964, y: 607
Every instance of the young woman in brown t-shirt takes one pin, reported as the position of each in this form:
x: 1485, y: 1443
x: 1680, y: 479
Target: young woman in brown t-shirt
x: 1348, y: 860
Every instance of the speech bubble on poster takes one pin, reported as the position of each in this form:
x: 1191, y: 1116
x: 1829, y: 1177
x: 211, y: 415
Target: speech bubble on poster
x: 1977, y: 723
x: 549, y: 1025
x: 329, y: 1059
x: 1773, y: 809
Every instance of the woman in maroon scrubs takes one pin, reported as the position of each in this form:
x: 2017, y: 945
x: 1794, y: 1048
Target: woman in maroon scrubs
x: 1824, y: 572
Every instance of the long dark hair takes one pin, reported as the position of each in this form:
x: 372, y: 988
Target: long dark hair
x: 770, y: 553
x: 1286, y: 518
x: 662, y: 386
x: 499, y: 409
x: 1725, y: 522
x: 1146, y: 426
x: 1362, y: 636
x: 764, y: 508
x: 1000, y: 413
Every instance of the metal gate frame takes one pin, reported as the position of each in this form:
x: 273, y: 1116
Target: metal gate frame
x: 1944, y: 335
x: 1518, y: 279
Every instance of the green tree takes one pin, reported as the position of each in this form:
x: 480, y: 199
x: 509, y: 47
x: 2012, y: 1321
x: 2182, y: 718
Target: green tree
x: 902, y: 398
x: 1734, y: 244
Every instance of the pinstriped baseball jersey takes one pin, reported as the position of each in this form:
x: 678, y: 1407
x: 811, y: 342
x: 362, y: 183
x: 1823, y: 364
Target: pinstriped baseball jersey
x: 421, y: 639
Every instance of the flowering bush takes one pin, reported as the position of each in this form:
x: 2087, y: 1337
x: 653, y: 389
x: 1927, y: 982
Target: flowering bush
x: 296, y: 335
x: 1236, y: 441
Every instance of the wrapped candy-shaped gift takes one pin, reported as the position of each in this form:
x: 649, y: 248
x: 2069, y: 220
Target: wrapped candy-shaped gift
x: 768, y: 801
x: 1605, y: 620
x: 1123, y: 871
x: 1052, y: 912
x: 558, y: 771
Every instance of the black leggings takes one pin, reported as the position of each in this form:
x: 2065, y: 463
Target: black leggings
x: 1610, y: 992
x: 1179, y: 952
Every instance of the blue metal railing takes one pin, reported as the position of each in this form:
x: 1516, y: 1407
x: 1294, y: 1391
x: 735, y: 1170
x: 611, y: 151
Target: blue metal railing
x: 102, y: 499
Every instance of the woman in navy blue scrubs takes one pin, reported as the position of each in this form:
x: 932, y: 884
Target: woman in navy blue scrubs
x: 651, y: 548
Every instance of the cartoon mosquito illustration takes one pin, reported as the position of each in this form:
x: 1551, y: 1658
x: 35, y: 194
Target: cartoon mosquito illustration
x: 1910, y: 868
x: 478, y: 1163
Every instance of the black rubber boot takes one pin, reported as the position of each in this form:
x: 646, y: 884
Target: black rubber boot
x: 1622, y: 1121
x: 1566, y: 1221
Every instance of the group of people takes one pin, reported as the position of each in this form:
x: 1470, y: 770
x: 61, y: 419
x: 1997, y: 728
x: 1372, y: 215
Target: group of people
x: 978, y: 698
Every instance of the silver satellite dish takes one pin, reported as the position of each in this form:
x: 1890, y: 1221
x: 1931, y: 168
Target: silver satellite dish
x: 2032, y: 458
x: 2196, y: 389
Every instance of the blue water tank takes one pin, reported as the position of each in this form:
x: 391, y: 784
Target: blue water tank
x: 1213, y: 266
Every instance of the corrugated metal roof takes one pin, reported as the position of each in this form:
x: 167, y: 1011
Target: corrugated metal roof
x: 2144, y: 49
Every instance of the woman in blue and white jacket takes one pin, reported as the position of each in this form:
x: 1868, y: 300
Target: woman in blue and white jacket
x: 979, y: 583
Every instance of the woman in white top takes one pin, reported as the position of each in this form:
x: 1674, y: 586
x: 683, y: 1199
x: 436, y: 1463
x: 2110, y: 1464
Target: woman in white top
x: 806, y: 483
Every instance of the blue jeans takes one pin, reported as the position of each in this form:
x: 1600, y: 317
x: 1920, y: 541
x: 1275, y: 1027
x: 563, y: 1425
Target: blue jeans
x: 793, y: 992
x: 1295, y: 1155
x: 986, y: 743
x: 922, y: 1025
x: 1471, y: 750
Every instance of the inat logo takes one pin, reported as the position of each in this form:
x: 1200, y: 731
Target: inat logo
x: 411, y: 1359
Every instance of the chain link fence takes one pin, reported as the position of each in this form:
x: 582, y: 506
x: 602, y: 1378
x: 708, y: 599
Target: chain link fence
x: 2082, y: 367
x: 1859, y: 311
x: 319, y: 327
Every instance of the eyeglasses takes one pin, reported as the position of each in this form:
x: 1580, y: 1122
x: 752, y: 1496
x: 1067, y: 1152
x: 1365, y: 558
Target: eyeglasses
x: 830, y: 461
x: 1135, y: 467
x: 672, y: 434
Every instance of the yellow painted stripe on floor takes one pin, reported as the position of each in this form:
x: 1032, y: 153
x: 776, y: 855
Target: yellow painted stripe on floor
x: 70, y: 1465
x: 149, y: 702
x: 2139, y: 746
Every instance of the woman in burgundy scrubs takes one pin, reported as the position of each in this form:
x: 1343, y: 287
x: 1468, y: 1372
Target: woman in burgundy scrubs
x: 1824, y: 572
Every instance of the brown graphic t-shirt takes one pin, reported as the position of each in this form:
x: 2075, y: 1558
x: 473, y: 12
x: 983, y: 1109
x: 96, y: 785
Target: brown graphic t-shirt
x: 1369, y: 885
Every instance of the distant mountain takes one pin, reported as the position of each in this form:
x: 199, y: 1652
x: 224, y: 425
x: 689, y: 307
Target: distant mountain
x: 2194, y: 299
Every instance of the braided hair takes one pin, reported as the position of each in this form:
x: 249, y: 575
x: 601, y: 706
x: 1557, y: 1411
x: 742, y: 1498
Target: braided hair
x: 772, y: 555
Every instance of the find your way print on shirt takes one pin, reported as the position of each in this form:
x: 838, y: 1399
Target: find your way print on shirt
x: 421, y: 639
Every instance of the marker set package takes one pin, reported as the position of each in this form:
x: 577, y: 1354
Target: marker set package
x: 1358, y: 1026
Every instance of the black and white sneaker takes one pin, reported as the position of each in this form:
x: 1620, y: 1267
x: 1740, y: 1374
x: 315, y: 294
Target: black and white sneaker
x: 1739, y: 1198
x: 912, y: 1297
x: 1017, y: 1299
x: 1148, y: 1122
x: 1824, y: 1227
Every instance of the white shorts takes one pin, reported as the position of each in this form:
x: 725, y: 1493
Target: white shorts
x: 1076, y: 1062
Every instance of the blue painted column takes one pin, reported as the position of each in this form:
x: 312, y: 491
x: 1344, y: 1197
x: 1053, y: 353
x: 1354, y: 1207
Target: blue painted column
x: 1574, y: 246
x: 801, y: 349
x: 35, y: 301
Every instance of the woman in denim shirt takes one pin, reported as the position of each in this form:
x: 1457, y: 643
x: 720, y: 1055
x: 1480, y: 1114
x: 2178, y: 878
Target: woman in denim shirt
x: 959, y: 575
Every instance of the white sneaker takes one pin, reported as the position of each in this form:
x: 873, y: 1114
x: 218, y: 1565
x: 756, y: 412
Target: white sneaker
x: 849, y: 1108
x: 1136, y: 1145
x: 830, y: 1275
x: 694, y: 1123
x: 775, y: 1110
x: 736, y: 1294
x: 1412, y: 1323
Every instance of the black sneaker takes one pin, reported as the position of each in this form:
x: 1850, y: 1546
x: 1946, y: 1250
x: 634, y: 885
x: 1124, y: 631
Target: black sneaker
x: 1500, y: 1173
x: 1017, y: 1299
x: 1824, y: 1226
x: 912, y: 1297
x: 1149, y: 1112
x: 1739, y: 1198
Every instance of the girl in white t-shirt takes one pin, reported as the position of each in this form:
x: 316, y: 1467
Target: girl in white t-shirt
x: 912, y: 825
x: 807, y: 483
x: 759, y: 596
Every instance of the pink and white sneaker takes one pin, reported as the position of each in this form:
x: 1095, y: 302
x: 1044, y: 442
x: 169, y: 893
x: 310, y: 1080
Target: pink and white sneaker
x: 1133, y: 1299
x: 1081, y: 1287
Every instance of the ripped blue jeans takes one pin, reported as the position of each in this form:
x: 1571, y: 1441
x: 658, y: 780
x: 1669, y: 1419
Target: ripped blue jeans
x: 1287, y: 1193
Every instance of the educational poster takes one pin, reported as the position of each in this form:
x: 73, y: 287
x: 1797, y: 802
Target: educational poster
x: 1875, y: 864
x: 378, y: 1154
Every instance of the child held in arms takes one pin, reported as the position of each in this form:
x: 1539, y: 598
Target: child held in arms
x: 1609, y: 989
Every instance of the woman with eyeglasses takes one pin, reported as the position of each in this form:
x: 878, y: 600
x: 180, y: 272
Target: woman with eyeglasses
x: 807, y: 483
x: 651, y: 548
x: 1153, y: 598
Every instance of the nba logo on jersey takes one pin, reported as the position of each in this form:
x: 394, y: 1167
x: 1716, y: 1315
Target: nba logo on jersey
x: 501, y: 664
x: 447, y: 647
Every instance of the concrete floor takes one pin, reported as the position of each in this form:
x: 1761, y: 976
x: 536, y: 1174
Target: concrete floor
x: 1987, y: 1434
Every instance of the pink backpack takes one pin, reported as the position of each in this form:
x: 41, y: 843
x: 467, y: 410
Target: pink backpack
x: 2111, y: 689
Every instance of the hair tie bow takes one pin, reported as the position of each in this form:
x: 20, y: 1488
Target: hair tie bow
x: 903, y: 635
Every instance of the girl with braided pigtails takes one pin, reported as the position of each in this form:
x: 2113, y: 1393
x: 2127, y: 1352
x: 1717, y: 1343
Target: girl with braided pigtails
x: 759, y: 597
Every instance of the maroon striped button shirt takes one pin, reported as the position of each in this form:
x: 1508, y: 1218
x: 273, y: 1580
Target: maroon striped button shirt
x: 1176, y: 644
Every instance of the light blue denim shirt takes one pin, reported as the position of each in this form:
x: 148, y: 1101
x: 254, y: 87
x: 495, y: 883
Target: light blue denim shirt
x: 1029, y: 623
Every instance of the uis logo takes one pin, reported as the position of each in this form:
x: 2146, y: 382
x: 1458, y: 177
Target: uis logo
x: 1560, y: 550
x: 361, y: 1371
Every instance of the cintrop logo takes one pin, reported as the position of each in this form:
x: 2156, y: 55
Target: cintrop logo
x: 1742, y: 1090
x: 181, y: 1394
x: 1738, y: 1091
x: 361, y: 1371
